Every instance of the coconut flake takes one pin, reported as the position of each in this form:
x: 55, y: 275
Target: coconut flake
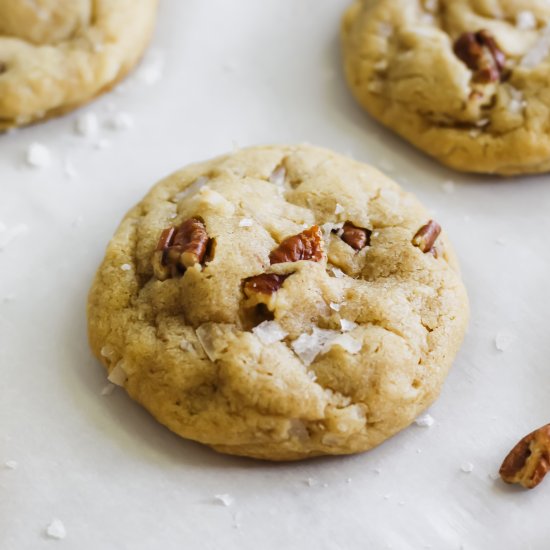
x: 347, y: 325
x: 56, y: 529
x: 526, y: 21
x: 425, y: 420
x: 38, y: 156
x: 246, y: 222
x: 225, y: 499
x: 86, y: 125
x: 269, y: 332
x: 347, y: 343
x: 467, y: 467
x: 539, y: 52
x: 117, y: 376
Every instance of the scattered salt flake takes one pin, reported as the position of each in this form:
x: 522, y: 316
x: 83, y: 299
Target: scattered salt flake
x: 269, y: 332
x: 86, y: 125
x: 448, y: 187
x: 526, y: 21
x: 517, y: 102
x: 467, y: 467
x: 308, y: 346
x: 126, y: 267
x: 278, y: 176
x: 11, y: 464
x: 152, y: 68
x: 191, y: 189
x: 311, y: 482
x: 69, y: 169
x: 225, y: 499
x: 539, y: 52
x: 120, y: 121
x: 117, y: 376
x: 503, y: 340
x: 339, y: 208
x: 347, y: 325
x: 348, y: 343
x: 38, y: 156
x: 425, y: 420
x: 494, y: 476
x: 338, y: 273
x: 108, y: 389
x: 481, y: 123
x: 246, y: 222
x: 185, y: 345
x: 335, y: 306
x: 56, y: 529
x: 7, y: 236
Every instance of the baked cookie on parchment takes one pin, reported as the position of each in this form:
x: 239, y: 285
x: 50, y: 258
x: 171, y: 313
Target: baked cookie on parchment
x: 58, y: 54
x: 279, y: 303
x: 466, y: 81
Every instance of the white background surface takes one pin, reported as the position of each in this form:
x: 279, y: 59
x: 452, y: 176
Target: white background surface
x: 247, y: 72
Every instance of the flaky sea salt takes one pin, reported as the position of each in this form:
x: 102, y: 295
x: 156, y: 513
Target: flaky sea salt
x: 347, y: 343
x: 224, y: 499
x: 11, y: 464
x: 86, y: 125
x: 311, y: 482
x: 126, y: 267
x: 503, y: 340
x: 339, y: 208
x: 338, y: 273
x: 151, y: 68
x: 118, y: 376
x: 467, y: 467
x: 308, y: 346
x: 526, y: 21
x: 38, y: 156
x: 539, y: 52
x: 517, y: 102
x: 334, y: 306
x: 269, y: 332
x: 246, y: 222
x: 425, y: 420
x: 56, y: 529
x: 347, y: 325
x: 120, y: 121
x: 278, y: 176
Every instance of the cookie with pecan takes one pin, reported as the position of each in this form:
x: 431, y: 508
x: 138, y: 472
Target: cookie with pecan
x: 279, y: 303
x: 462, y: 80
x: 58, y: 54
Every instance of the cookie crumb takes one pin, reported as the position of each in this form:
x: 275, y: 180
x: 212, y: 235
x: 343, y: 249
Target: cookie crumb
x: 467, y: 467
x: 38, y: 156
x: 269, y: 332
x: 225, y: 499
x: 56, y: 530
x: 11, y: 464
x: 425, y: 420
x: 246, y: 222
x: 503, y: 340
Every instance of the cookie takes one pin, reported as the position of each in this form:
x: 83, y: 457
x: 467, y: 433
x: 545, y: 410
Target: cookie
x: 279, y: 303
x: 58, y: 54
x: 463, y: 80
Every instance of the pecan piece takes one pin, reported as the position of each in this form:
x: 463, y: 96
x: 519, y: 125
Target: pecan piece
x: 261, y: 289
x: 481, y: 54
x: 356, y: 237
x: 426, y: 236
x: 529, y: 461
x: 307, y: 245
x: 180, y: 247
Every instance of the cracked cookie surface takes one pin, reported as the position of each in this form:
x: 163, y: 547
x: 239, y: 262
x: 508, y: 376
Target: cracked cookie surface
x: 463, y: 80
x: 58, y: 54
x: 272, y: 303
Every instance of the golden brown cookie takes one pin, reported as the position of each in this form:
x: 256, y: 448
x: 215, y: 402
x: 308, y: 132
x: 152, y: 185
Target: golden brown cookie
x: 58, y: 54
x: 463, y: 80
x: 279, y: 303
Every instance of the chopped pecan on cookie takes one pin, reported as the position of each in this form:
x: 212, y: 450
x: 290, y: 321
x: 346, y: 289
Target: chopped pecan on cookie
x: 529, y: 461
x: 426, y: 236
x: 357, y: 237
x: 307, y: 245
x: 481, y: 54
x: 180, y: 247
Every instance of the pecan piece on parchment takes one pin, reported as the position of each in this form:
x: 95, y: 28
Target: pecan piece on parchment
x: 180, y: 247
x: 426, y: 236
x: 357, y: 237
x: 307, y: 245
x: 482, y: 55
x: 529, y: 461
